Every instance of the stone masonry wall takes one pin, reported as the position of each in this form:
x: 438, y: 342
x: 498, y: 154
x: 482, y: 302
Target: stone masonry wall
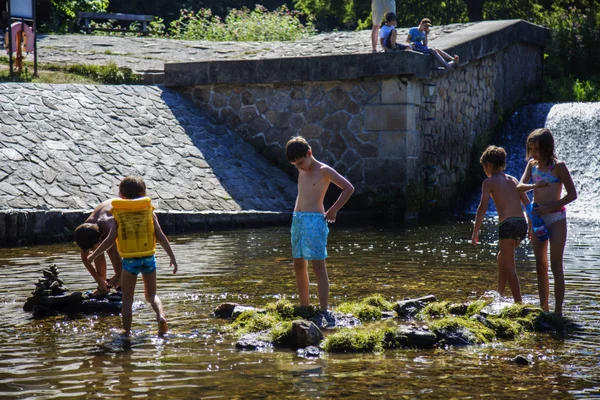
x: 462, y: 107
x: 382, y: 132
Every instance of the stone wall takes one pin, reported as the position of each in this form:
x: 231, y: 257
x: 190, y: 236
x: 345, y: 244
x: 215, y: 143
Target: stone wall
x: 392, y: 121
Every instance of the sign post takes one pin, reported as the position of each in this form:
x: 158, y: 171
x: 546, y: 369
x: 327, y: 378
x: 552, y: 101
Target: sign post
x: 20, y: 11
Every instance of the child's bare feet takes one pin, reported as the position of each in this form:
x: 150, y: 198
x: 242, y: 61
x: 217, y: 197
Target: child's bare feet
x: 162, y: 326
x: 99, y: 292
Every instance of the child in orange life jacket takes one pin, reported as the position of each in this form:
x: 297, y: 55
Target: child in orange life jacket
x: 135, y: 229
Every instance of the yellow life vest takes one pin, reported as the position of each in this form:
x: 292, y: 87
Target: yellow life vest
x: 135, y: 232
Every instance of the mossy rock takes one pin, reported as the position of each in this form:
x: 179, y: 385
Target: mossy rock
x: 454, y: 327
x: 357, y: 340
x: 364, y: 312
x: 253, y: 321
x: 289, y: 312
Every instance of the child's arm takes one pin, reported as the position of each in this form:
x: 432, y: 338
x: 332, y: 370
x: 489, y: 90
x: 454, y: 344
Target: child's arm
x: 525, y: 201
x: 164, y: 242
x: 93, y: 272
x: 523, y: 186
x: 347, y: 190
x: 565, y: 177
x: 409, y: 40
x: 106, y: 243
x: 481, y: 210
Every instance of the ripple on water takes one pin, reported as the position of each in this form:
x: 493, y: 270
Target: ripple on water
x: 84, y: 356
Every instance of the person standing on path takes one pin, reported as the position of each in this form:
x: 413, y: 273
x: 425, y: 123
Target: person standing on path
x: 379, y: 8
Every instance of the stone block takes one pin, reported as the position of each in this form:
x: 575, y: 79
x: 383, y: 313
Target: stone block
x: 392, y: 144
x: 400, y: 90
x: 390, y: 117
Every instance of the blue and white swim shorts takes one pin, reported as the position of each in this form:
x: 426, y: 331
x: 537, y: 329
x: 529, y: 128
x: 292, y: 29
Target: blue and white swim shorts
x: 309, y: 235
x: 145, y: 265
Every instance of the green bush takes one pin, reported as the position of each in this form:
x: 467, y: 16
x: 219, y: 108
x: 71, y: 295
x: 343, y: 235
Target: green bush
x: 242, y: 25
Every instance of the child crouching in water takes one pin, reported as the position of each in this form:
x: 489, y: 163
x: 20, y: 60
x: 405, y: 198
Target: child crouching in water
x: 135, y: 229
x: 513, y: 226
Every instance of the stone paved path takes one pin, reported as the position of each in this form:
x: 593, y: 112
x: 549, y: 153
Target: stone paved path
x: 148, y: 55
x: 68, y: 146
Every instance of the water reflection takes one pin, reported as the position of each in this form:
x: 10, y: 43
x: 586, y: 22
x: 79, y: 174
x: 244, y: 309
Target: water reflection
x: 84, y: 356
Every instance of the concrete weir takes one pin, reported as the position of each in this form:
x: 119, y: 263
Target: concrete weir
x: 65, y: 148
x: 210, y: 142
x: 393, y: 123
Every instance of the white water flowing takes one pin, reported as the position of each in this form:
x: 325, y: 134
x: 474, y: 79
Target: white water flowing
x: 576, y: 131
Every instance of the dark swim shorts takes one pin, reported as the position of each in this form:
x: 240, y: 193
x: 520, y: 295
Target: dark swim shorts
x: 513, y: 228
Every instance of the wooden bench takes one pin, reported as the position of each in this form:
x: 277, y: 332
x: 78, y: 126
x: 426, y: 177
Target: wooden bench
x: 89, y: 16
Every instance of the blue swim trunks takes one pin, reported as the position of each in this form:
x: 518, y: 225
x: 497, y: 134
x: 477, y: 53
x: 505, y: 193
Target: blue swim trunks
x: 309, y: 235
x: 145, y: 265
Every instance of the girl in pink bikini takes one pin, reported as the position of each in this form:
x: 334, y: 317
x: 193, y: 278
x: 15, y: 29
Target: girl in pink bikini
x: 548, y: 176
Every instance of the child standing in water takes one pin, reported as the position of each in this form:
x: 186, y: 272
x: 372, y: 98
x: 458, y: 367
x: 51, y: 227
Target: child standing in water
x: 502, y: 188
x: 135, y: 229
x: 309, y: 225
x: 548, y: 175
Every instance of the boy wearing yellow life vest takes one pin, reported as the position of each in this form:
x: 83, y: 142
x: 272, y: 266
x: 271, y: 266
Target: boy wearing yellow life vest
x: 88, y: 236
x: 135, y: 230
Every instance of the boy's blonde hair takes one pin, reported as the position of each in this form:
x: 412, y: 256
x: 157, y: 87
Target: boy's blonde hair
x: 297, y: 147
x: 494, y: 155
x: 132, y: 187
x: 545, y: 141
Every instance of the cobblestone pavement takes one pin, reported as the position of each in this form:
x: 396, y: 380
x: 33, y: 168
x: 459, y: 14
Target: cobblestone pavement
x: 68, y: 146
x: 148, y: 55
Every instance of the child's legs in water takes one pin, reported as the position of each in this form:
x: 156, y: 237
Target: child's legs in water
x: 128, y: 281
x: 540, y: 249
x: 322, y: 283
x: 302, y: 282
x: 507, y: 249
x: 501, y: 274
x: 154, y: 300
x: 117, y: 263
x: 558, y: 238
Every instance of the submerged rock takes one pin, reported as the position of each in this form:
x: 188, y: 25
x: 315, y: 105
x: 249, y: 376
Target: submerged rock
x: 410, y: 307
x: 51, y: 297
x: 410, y: 336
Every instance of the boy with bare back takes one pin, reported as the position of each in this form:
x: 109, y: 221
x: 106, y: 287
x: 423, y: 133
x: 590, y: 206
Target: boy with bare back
x: 309, y: 225
x: 88, y: 236
x: 513, y: 226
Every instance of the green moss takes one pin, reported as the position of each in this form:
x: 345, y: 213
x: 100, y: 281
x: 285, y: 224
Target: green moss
x: 280, y: 332
x: 505, y: 328
x: 253, y: 321
x: 436, y: 309
x: 360, y: 310
x: 355, y: 340
x: 288, y: 311
x: 379, y: 301
x: 481, y: 332
x: 476, y: 307
x: 520, y: 310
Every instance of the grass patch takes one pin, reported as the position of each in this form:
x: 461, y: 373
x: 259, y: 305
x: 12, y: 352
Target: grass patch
x: 109, y: 74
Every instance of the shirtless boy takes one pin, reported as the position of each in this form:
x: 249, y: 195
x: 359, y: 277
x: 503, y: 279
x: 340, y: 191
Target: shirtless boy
x: 309, y: 225
x: 513, y: 226
x: 88, y: 236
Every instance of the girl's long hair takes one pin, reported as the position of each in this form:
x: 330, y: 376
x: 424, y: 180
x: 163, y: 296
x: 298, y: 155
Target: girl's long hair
x: 545, y: 141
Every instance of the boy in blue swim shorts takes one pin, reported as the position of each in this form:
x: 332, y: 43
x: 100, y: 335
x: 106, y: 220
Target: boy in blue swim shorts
x: 135, y: 230
x: 309, y: 224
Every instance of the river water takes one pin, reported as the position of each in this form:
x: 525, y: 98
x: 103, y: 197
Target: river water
x: 83, y: 357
